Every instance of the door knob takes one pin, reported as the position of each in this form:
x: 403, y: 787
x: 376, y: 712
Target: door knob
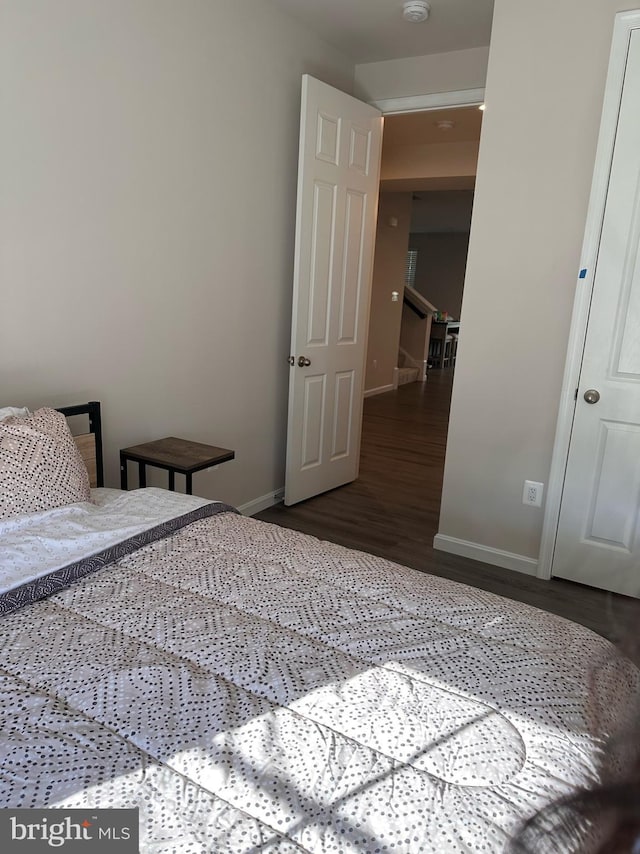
x: 591, y: 395
x: 291, y: 360
x: 303, y: 362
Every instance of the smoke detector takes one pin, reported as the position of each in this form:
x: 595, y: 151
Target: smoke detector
x: 416, y: 11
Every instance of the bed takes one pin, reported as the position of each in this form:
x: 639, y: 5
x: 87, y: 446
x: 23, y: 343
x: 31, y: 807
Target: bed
x: 252, y: 689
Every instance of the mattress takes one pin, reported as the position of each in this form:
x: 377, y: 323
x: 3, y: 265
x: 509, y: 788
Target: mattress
x: 253, y: 689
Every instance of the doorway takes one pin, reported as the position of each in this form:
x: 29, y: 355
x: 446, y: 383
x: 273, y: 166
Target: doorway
x: 321, y: 129
x: 426, y: 198
x: 429, y: 163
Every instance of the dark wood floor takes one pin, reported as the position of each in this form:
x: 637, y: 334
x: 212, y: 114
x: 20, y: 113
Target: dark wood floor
x: 392, y: 509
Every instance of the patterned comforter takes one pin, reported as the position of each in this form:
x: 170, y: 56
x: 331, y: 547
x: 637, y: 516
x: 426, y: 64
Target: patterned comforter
x: 252, y: 689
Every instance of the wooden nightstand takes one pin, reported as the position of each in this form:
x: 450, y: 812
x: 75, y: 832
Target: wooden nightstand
x: 174, y: 455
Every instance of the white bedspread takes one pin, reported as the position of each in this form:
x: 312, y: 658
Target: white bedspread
x: 35, y: 544
x: 252, y: 689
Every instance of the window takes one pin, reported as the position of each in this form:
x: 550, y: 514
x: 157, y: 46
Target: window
x: 410, y: 268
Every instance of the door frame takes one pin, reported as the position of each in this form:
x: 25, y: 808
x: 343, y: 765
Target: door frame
x: 421, y: 104
x: 434, y: 101
x: 411, y: 104
x: 624, y: 23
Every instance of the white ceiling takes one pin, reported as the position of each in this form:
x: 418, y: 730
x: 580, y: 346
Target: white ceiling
x: 423, y: 128
x: 374, y: 30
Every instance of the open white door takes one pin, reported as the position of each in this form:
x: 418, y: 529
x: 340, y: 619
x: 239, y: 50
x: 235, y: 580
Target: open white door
x: 338, y: 177
x: 598, y: 538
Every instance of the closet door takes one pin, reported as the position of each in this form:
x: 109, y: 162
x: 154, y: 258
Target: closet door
x: 598, y: 537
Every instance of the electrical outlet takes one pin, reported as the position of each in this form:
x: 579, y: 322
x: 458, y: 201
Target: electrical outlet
x: 532, y: 493
x: 375, y: 363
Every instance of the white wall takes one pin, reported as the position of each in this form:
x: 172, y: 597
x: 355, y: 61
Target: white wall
x: 389, y: 266
x: 422, y: 75
x: 443, y: 212
x: 442, y: 259
x: 544, y: 93
x: 438, y: 160
x: 148, y: 157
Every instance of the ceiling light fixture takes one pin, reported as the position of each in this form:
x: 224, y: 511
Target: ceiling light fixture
x: 416, y: 11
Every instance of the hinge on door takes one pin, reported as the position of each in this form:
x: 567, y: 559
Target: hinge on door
x: 292, y: 361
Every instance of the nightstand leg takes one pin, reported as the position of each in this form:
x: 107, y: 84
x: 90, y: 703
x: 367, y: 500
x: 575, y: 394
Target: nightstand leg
x: 172, y: 480
x: 123, y: 473
x: 189, y: 490
x: 142, y: 475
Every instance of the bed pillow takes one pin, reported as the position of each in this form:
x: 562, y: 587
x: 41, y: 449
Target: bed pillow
x: 40, y: 465
x: 6, y: 411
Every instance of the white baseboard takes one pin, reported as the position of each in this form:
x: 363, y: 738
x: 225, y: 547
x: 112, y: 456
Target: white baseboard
x: 262, y: 503
x: 496, y: 557
x: 380, y: 390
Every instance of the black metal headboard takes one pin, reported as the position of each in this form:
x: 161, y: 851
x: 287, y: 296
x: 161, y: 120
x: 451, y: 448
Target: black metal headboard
x: 92, y: 409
